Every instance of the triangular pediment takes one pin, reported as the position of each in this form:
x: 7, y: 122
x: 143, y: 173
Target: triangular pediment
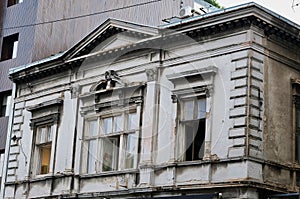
x: 110, y: 35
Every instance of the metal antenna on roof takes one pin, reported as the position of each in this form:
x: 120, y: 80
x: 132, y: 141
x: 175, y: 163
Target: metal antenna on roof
x: 294, y: 5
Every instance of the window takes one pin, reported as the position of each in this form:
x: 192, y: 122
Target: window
x: 9, y: 47
x: 13, y: 2
x: 112, y: 146
x: 44, y: 124
x: 193, y: 127
x: 5, y: 98
x: 43, y: 145
x: 112, y: 125
x: 192, y: 98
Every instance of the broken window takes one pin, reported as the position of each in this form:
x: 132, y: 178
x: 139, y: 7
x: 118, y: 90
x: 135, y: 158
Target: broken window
x: 111, y: 146
x: 193, y: 128
x: 9, y: 47
x: 13, y: 2
x: 5, y: 98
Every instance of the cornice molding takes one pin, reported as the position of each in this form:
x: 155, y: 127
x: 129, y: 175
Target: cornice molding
x: 196, y: 30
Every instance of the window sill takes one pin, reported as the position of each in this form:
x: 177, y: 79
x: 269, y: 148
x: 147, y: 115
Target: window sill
x: 191, y: 163
x: 47, y: 176
x: 41, y: 177
x: 109, y: 173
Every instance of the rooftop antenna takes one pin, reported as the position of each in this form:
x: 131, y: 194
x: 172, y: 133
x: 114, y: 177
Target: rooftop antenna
x: 294, y: 5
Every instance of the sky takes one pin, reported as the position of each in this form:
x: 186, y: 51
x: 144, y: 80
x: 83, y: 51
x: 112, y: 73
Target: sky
x: 282, y: 7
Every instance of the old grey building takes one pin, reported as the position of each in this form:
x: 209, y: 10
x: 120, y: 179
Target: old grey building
x: 31, y: 30
x: 200, y: 108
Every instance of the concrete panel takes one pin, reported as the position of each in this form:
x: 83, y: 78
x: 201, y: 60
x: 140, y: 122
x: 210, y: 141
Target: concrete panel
x: 193, y: 174
x: 229, y: 171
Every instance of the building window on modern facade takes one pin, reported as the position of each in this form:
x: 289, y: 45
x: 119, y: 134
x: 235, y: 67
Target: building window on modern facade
x: 13, y: 2
x: 9, y: 47
x: 111, y: 146
x: 193, y: 126
x: 5, y: 99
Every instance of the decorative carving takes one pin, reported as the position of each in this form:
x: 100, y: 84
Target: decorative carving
x: 74, y: 91
x: 111, y: 75
x: 151, y: 74
x: 174, y: 98
x: 209, y: 90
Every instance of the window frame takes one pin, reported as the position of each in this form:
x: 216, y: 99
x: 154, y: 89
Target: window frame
x: 43, y: 114
x: 119, y: 162
x: 13, y: 2
x: 5, y: 95
x: 41, y: 145
x: 37, y: 150
x: 198, y: 82
x: 9, y: 49
x: 195, y: 121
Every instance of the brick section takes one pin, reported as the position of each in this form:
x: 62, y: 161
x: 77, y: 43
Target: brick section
x: 246, y: 110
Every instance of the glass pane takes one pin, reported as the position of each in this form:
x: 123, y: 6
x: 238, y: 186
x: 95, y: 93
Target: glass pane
x: 92, y: 131
x: 92, y: 156
x: 132, y: 121
x: 15, y: 49
x: 201, y: 113
x: 118, y: 123
x: 194, y: 140
x: 130, y: 151
x: 107, y: 122
x: 188, y: 110
x: 45, y: 152
x: 42, y: 135
x: 110, y: 154
x: 4, y: 100
x: 50, y: 133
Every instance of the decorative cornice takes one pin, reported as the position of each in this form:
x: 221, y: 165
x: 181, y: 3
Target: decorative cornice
x: 197, y: 30
x: 43, y: 105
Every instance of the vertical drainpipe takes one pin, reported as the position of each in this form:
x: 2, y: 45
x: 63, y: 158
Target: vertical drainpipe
x: 8, y: 138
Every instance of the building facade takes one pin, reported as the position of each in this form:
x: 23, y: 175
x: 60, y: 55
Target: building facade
x: 24, y: 25
x: 206, y: 107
